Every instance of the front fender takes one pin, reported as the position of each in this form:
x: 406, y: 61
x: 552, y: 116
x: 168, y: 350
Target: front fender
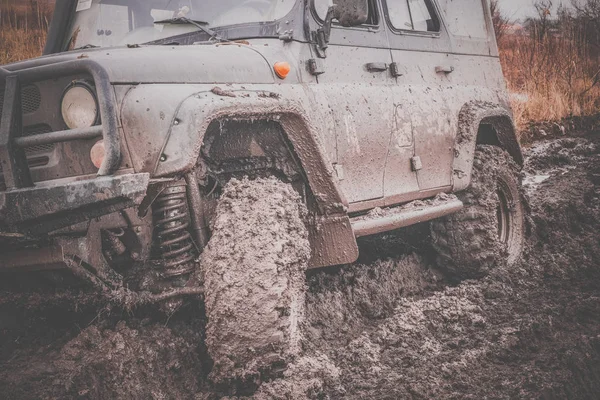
x: 165, y: 128
x: 185, y: 137
x: 331, y: 236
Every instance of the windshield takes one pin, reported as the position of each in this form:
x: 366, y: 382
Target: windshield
x: 107, y: 23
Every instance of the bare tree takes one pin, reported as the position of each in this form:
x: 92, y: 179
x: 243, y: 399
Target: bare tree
x: 499, y: 20
x: 589, y: 8
x: 588, y: 12
x: 541, y: 25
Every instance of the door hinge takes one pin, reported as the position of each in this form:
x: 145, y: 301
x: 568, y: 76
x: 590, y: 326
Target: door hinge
x: 339, y: 171
x: 287, y: 36
x: 315, y: 67
x: 321, y: 44
x: 416, y: 163
x: 395, y: 70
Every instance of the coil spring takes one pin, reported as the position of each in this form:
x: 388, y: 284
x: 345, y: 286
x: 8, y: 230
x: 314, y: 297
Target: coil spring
x: 172, y: 221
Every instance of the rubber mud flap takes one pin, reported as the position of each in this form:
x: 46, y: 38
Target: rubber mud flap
x: 254, y: 278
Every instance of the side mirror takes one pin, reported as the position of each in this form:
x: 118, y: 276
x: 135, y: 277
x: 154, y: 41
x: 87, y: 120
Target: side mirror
x: 348, y: 13
x: 351, y: 12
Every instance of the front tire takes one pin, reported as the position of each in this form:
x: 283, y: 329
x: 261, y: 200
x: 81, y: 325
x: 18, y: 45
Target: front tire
x: 489, y: 231
x: 254, y: 278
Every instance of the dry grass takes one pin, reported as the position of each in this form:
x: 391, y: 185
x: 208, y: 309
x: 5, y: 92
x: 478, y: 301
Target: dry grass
x: 15, y: 45
x: 550, y: 79
x: 552, y: 67
x: 23, y: 28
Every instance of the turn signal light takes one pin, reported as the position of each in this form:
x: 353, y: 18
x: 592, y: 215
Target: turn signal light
x: 282, y: 69
x: 97, y: 154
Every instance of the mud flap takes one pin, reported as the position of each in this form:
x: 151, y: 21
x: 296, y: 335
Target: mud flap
x: 332, y: 241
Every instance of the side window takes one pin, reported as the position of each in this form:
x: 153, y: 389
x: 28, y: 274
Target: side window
x: 321, y: 7
x: 466, y: 19
x: 413, y: 15
x: 105, y: 26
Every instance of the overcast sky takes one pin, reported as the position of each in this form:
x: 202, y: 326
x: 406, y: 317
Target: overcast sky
x: 519, y: 9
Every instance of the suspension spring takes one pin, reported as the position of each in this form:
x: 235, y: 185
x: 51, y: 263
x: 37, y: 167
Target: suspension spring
x: 174, y: 241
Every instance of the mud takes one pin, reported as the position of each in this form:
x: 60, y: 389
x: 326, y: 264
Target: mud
x: 53, y: 352
x: 391, y: 326
x: 567, y: 127
x: 528, y: 331
x: 254, y: 279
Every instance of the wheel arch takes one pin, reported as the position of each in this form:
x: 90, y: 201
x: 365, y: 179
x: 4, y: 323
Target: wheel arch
x: 331, y: 235
x: 184, y: 142
x: 482, y: 123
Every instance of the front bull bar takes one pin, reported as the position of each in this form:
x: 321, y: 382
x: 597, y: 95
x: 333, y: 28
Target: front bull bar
x: 12, y: 155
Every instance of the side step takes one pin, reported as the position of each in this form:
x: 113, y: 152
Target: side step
x: 382, y: 220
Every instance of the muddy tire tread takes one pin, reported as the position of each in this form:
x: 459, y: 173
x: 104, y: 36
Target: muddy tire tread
x: 254, y: 278
x: 466, y: 243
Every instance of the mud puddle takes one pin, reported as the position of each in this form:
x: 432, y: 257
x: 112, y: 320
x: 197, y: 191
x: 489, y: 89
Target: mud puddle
x: 530, y: 331
x: 391, y: 326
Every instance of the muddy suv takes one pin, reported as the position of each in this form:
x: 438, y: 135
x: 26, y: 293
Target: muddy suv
x: 162, y: 149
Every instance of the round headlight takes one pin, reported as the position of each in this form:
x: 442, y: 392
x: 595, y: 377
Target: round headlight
x: 79, y: 106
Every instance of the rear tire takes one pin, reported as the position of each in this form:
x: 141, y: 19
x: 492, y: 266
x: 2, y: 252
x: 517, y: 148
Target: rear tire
x: 489, y: 231
x: 254, y: 278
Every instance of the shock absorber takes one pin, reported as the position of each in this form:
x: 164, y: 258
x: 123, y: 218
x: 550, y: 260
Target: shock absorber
x: 174, y: 244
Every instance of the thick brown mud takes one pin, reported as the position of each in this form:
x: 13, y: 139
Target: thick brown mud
x: 391, y: 326
x: 254, y: 272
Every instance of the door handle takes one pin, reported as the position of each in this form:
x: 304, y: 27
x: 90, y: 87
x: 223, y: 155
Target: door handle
x: 377, y: 67
x: 446, y: 69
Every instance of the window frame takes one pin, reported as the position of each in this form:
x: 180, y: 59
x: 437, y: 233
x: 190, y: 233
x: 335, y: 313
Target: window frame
x: 368, y: 27
x: 412, y: 32
x: 489, y: 26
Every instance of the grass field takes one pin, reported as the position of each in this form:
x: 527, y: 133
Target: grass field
x: 552, y: 78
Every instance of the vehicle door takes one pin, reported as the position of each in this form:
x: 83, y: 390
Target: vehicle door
x: 420, y: 49
x: 354, y: 79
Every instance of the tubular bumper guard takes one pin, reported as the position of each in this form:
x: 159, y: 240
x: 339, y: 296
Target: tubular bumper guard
x: 57, y: 204
x: 47, y: 206
x: 12, y: 156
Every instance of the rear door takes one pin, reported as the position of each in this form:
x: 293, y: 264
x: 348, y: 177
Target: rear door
x: 420, y: 49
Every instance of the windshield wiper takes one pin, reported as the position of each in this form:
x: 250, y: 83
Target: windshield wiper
x: 186, y: 21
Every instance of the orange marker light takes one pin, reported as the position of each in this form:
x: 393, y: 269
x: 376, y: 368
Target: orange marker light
x: 97, y: 154
x: 282, y: 69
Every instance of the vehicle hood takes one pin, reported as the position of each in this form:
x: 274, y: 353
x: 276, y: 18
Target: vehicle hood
x: 210, y: 63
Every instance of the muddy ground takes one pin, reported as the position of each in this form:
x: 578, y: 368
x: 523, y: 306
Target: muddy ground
x: 391, y: 326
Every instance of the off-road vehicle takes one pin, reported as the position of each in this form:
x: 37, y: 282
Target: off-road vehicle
x: 162, y: 149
